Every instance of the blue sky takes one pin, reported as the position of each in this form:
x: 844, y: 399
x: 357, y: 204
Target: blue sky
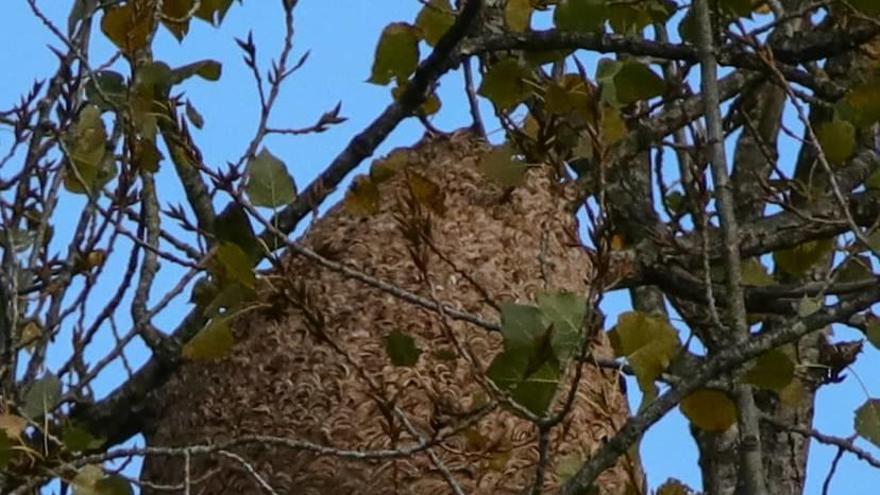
x: 341, y: 37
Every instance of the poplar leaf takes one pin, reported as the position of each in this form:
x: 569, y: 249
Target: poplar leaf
x: 397, y: 54
x: 212, y: 342
x: 709, y: 410
x: 268, y: 182
x: 504, y: 83
x: 867, y: 421
x: 435, y: 18
x: 401, y: 349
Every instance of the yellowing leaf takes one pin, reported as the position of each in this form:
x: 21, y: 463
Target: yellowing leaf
x: 867, y: 421
x: 397, y: 54
x: 861, y: 106
x: 792, y: 395
x: 363, y: 197
x: 772, y: 370
x: 501, y: 167
x: 384, y: 169
x: 755, y: 274
x: 673, y: 486
x: 12, y: 425
x: 435, y: 18
x: 431, y: 105
x: 504, y: 83
x: 568, y: 466
x: 268, y: 182
x: 85, y: 480
x: 90, y: 166
x: 128, y: 26
x: 838, y: 140
x: 213, y: 11
x: 808, y: 306
x: 426, y: 193
x: 709, y: 410
x: 212, y: 342
x: 518, y: 15
x: 613, y: 127
x: 801, y: 258
x: 175, y: 17
x: 649, y: 343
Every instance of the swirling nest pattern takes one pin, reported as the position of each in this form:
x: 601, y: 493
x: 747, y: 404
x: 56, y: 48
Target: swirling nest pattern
x: 284, y: 380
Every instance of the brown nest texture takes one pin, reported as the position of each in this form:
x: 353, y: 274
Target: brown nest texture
x: 313, y: 365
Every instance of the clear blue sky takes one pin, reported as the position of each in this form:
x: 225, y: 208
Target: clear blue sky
x: 341, y: 36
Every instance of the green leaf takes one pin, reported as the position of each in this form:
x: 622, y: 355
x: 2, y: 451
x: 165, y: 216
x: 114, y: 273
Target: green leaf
x: 233, y: 225
x: 772, y: 370
x: 213, y: 11
x: 873, y: 181
x: 566, y: 312
x: 110, y: 84
x: 709, y: 410
x: 231, y: 263
x: 500, y: 166
x: 212, y: 342
x: 872, y: 331
x: 518, y: 15
x: 635, y: 81
x: 113, y: 484
x: 42, y: 396
x: 583, y: 16
x: 435, y: 18
x: 268, y: 182
x: 5, y: 450
x: 194, y: 116
x: 521, y: 325
x: 867, y: 7
x: 799, y: 259
x: 504, y: 83
x: 397, y: 54
x: 867, y: 421
x: 508, y: 368
x: 629, y: 18
x: 737, y: 8
x: 536, y: 392
x: 856, y: 268
x: 401, y: 349
x: 808, y: 306
x: 209, y: 70
x: 649, y: 343
x: 838, y: 140
x: 77, y: 439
